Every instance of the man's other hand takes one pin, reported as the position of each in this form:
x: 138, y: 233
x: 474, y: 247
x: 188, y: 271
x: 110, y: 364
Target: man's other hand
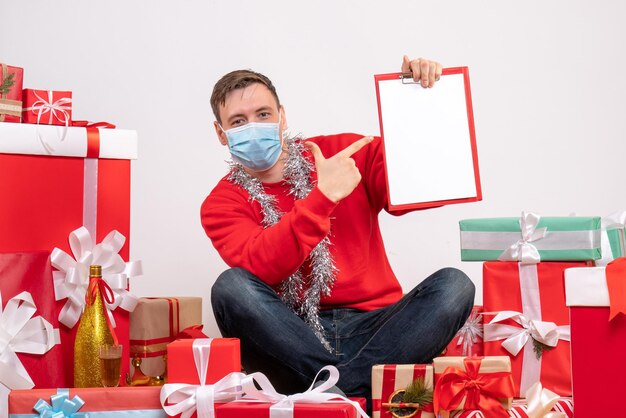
x: 424, y: 71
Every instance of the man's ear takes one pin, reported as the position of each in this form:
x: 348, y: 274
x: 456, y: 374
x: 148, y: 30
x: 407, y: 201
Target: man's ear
x: 221, y: 135
x: 283, y: 119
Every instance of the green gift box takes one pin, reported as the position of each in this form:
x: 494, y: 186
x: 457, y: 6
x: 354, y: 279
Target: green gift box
x: 531, y: 238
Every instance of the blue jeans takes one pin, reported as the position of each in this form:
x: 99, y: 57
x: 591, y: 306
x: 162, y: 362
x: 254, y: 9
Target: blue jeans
x: 278, y: 343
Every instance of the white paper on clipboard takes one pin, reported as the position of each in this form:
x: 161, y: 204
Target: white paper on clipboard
x: 429, y: 143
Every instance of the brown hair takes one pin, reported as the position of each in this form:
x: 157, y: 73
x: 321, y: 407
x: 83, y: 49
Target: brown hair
x: 234, y: 80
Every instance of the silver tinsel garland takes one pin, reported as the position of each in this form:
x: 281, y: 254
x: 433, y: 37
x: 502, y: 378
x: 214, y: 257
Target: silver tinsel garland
x: 297, y: 173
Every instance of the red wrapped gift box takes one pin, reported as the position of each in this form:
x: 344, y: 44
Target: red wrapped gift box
x: 47, y: 107
x: 54, y: 190
x: 468, y: 342
x: 519, y: 410
x: 132, y: 402
x: 598, y: 344
x: 11, y: 79
x: 300, y: 410
x: 224, y: 358
x: 31, y: 272
x: 537, y: 293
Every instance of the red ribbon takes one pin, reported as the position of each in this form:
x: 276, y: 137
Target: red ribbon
x: 193, y: 331
x: 480, y: 390
x: 95, y: 284
x: 93, y: 135
x: 616, y: 282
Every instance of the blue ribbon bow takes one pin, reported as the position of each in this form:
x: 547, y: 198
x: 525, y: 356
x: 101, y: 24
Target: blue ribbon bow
x: 62, y: 406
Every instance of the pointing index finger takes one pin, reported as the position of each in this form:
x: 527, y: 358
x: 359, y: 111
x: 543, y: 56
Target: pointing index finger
x: 355, y: 146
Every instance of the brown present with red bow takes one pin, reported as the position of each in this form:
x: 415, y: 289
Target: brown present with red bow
x: 11, y: 79
x: 473, y: 383
x: 158, y: 321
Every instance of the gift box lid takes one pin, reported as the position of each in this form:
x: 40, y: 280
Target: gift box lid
x: 61, y: 141
x: 586, y: 286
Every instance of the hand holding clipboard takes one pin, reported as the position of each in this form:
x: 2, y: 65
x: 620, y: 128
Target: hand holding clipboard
x: 428, y: 139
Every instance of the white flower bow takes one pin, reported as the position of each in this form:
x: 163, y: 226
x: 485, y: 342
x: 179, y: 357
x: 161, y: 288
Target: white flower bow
x: 72, y: 278
x: 22, y: 332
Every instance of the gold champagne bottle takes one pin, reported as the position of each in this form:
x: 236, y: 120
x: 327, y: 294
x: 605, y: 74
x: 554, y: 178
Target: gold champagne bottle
x: 93, y: 331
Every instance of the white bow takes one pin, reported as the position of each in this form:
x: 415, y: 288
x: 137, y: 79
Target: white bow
x: 540, y: 401
x: 515, y: 338
x: 185, y: 399
x: 283, y: 405
x: 523, y: 250
x: 22, y: 332
x: 72, y: 278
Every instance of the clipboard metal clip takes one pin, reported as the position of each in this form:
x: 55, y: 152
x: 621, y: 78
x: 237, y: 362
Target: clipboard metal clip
x: 407, y: 78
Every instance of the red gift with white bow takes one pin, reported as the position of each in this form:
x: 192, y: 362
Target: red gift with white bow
x: 29, y: 354
x: 237, y: 394
x: 47, y: 107
x: 526, y: 319
x: 57, y: 185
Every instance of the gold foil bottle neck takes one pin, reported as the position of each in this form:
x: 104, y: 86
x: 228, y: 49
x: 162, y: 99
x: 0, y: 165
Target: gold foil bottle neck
x: 95, y: 271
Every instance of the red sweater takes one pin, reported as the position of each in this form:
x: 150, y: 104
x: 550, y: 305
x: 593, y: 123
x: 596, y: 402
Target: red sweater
x: 364, y: 281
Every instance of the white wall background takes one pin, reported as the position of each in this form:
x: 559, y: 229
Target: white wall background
x: 547, y: 77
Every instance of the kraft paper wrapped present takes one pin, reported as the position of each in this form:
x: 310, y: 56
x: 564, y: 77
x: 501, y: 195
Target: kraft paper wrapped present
x: 11, y: 79
x: 596, y: 297
x: 30, y: 355
x: 156, y: 322
x: 526, y: 319
x: 389, y: 382
x: 58, y: 186
x: 530, y: 239
x: 613, y: 238
x: 47, y: 107
x: 131, y: 402
x: 493, y: 392
x: 468, y: 341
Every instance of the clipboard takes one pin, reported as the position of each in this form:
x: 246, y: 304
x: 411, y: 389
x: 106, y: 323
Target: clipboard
x: 429, y: 143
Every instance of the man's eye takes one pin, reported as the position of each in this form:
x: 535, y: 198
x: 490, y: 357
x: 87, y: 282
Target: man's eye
x: 238, y: 122
x: 264, y: 115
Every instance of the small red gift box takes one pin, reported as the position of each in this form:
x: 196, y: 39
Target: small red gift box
x: 55, y: 189
x: 224, y: 358
x: 534, y: 330
x: 11, y: 79
x: 132, y: 402
x: 598, y: 343
x: 389, y: 379
x: 47, y: 107
x: 468, y: 341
